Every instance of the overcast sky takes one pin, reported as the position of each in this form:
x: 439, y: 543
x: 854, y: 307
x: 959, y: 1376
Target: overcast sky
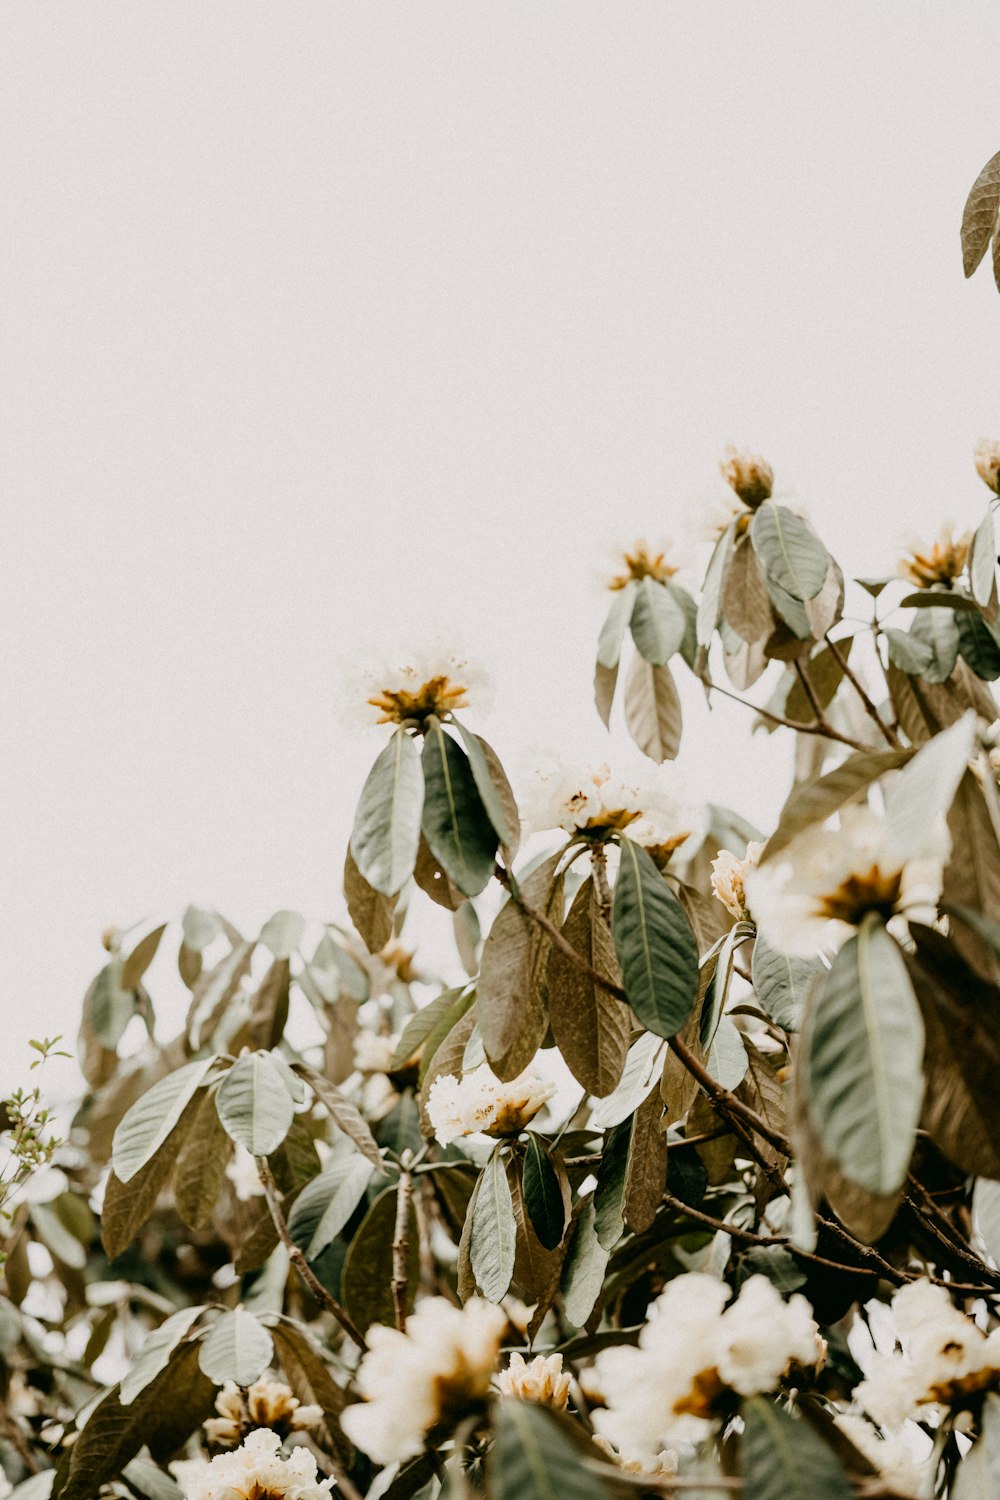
x: 320, y: 322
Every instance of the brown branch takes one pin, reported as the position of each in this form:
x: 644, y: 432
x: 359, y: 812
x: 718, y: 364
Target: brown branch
x: 754, y: 1238
x: 400, y: 1244
x: 298, y: 1260
x: 724, y: 1101
x: 891, y: 737
x: 821, y: 727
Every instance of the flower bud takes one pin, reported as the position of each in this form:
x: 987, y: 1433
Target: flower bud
x: 987, y: 456
x: 749, y: 475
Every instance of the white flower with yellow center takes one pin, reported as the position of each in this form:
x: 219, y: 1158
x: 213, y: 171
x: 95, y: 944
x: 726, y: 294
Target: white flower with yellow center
x: 940, y: 562
x: 987, y: 456
x: 543, y: 1380
x: 413, y: 686
x: 427, y: 1378
x: 729, y: 873
x: 819, y: 889
x: 480, y: 1103
x: 946, y: 1359
x: 641, y: 801
x: 660, y: 562
x: 671, y: 1388
x: 256, y: 1471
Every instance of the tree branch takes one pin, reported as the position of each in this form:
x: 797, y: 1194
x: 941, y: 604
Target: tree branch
x: 891, y: 737
x: 400, y: 1244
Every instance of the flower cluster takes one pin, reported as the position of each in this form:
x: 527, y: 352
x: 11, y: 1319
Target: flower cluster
x: 598, y: 802
x: 819, y: 889
x: 435, y: 680
x: 427, y: 1378
x: 543, y: 1380
x: 945, y: 1358
x: 729, y: 874
x: 692, y: 1355
x: 643, y: 561
x: 480, y: 1103
x: 256, y: 1471
x: 266, y: 1403
x: 939, y: 563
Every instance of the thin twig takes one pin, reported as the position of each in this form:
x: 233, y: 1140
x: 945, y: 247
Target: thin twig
x: 891, y: 737
x: 824, y: 728
x: 400, y: 1245
x: 298, y: 1260
x: 725, y: 1101
x: 760, y: 1239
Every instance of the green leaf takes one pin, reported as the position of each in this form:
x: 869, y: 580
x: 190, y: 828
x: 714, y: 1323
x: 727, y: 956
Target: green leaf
x: 922, y: 794
x: 983, y: 563
x: 792, y: 555
x: 782, y: 984
x: 656, y: 948
x: 387, y: 822
x: 237, y: 1348
x: 819, y: 799
x: 201, y: 1166
x: 910, y: 654
x: 979, y: 646
x: 936, y: 629
x: 345, y: 1115
x: 155, y: 1351
x: 255, y: 1104
x: 493, y: 1231
x: 532, y: 1457
x: 153, y: 1116
x: 979, y: 216
x: 542, y: 1194
x: 109, y: 1006
x: 326, y: 1204
x: 862, y: 1049
x: 609, y: 643
x: 710, y: 604
x: 784, y: 1459
x: 658, y: 623
x: 653, y: 713
x: 605, y: 683
x: 493, y: 787
x: 142, y: 955
x: 612, y: 1184
x: 456, y: 824
x: 641, y: 1073
x: 282, y: 933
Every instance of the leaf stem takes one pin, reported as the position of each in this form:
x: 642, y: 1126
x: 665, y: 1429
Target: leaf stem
x: 890, y: 735
x: 822, y: 726
x: 400, y: 1244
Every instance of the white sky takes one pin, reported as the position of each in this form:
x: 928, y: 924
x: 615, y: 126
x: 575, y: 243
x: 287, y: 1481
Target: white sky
x: 322, y: 321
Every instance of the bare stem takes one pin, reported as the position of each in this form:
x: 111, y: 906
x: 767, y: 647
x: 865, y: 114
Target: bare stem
x: 890, y: 735
x: 822, y: 726
x: 400, y: 1245
x: 299, y: 1261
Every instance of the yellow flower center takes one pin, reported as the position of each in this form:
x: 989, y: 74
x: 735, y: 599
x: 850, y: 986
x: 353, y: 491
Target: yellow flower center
x: 642, y: 563
x: 941, y: 563
x: 859, y: 894
x: 436, y: 698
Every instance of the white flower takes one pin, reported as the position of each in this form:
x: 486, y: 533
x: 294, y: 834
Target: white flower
x: 940, y: 562
x: 267, y: 1403
x: 435, y: 679
x: 257, y: 1470
x: 690, y: 1353
x: 749, y: 475
x: 629, y: 1459
x: 762, y: 1335
x: 945, y: 1358
x: 542, y: 1380
x: 593, y: 799
x: 715, y: 516
x: 890, y: 1457
x: 373, y: 1051
x: 987, y: 456
x: 817, y: 891
x: 480, y: 1103
x: 729, y: 878
x: 244, y: 1176
x: 661, y: 562
x: 433, y: 1374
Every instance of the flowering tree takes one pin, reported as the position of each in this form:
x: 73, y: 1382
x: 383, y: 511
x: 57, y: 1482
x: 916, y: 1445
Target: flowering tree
x: 693, y: 1184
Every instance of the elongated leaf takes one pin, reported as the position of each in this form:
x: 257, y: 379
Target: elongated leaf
x: 342, y: 1112
x: 493, y: 787
x: 983, y: 564
x: 862, y: 1049
x: 819, y: 799
x: 653, y: 710
x: 784, y: 1459
x: 154, y: 1355
x: 493, y: 1232
x: 512, y: 970
x: 979, y: 646
x: 605, y: 683
x: 910, y: 654
x: 710, y: 604
x: 109, y: 1006
x: 746, y: 604
x: 543, y: 1197
x: 201, y: 1166
x: 583, y: 1272
x: 456, y: 824
x: 980, y: 214
x: 972, y: 878
x: 782, y: 984
x: 532, y: 1457
x: 591, y: 1028
x: 282, y: 933
x: 142, y: 955
x: 986, y: 1214
x: 370, y: 911
x: 609, y: 644
x: 937, y: 630
x: 153, y: 1116
x: 922, y: 794
x: 658, y: 623
x: 612, y: 1183
x: 656, y: 948
x: 641, y: 1073
x: 791, y: 554
x: 213, y: 992
x: 368, y: 1266
x: 238, y: 1348
x: 726, y: 1058
x: 387, y: 822
x: 324, y: 1206
x: 254, y: 1103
